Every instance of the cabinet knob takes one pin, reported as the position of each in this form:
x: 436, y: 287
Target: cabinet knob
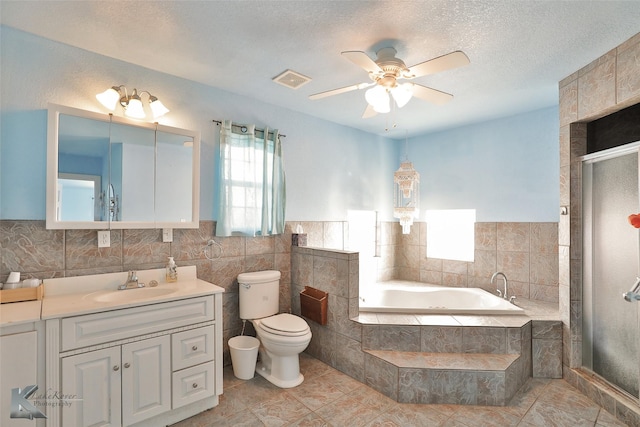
x: 195, y: 385
x: 194, y: 348
x: 116, y: 368
x: 126, y: 365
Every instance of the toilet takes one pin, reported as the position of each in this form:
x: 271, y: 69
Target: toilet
x: 282, y: 336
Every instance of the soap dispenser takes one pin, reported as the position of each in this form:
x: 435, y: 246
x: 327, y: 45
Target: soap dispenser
x: 172, y: 271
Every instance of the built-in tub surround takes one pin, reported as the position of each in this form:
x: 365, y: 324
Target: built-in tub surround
x: 379, y: 349
x: 527, y: 252
x: 137, y: 357
x: 423, y: 298
x: 608, y: 84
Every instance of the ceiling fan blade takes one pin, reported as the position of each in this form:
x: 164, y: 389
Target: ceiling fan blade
x: 445, y: 62
x: 431, y: 95
x: 340, y: 90
x: 369, y: 112
x: 362, y: 60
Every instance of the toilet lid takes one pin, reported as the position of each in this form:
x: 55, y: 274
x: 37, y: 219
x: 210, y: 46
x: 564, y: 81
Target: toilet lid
x: 284, y: 324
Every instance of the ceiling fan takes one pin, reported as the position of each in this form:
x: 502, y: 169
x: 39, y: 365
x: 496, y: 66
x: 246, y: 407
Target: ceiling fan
x: 385, y: 72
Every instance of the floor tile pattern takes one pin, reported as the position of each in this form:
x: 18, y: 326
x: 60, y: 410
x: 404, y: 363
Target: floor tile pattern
x: 329, y: 398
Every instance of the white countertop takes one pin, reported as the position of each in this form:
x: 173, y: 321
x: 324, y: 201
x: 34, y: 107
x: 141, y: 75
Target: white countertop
x: 15, y: 313
x: 72, y: 296
x: 92, y: 302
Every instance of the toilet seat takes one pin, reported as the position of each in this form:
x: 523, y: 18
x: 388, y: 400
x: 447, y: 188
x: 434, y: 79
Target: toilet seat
x: 284, y: 324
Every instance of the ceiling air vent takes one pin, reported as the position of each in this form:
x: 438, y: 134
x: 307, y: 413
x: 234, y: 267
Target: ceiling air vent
x: 291, y: 79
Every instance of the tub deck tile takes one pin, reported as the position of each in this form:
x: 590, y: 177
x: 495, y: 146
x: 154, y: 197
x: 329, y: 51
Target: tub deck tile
x: 437, y: 320
x: 446, y: 361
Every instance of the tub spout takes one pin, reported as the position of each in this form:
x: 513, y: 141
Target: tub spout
x: 501, y: 294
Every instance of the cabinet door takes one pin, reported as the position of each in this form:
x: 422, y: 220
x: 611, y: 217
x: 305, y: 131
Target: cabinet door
x: 18, y: 356
x: 146, y: 379
x: 94, y: 379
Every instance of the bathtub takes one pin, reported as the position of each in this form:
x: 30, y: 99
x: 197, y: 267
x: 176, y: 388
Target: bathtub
x: 430, y: 299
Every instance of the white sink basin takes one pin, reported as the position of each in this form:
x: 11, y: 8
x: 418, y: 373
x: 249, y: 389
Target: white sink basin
x: 129, y: 295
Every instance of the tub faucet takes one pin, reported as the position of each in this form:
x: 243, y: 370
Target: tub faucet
x: 502, y: 294
x: 131, y: 283
x: 634, y: 292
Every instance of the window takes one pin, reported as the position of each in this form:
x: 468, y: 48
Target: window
x: 450, y: 234
x: 252, y: 187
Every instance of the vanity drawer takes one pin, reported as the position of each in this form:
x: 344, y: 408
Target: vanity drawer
x: 192, y: 384
x: 99, y: 328
x: 192, y: 347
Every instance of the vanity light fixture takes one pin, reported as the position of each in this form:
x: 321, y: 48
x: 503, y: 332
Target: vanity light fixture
x: 132, y: 104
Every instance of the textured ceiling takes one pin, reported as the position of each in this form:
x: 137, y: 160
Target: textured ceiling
x: 519, y: 50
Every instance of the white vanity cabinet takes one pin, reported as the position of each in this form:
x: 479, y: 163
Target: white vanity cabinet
x: 148, y: 365
x: 95, y: 375
x: 22, y: 361
x: 193, y: 365
x: 18, y: 369
x: 134, y: 379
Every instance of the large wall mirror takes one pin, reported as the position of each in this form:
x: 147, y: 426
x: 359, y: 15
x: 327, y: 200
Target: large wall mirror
x: 110, y: 172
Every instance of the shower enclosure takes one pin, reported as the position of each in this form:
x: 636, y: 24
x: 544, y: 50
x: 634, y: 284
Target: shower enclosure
x: 611, y: 325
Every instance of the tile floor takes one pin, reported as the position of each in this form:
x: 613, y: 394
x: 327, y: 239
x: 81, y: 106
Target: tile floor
x: 330, y: 398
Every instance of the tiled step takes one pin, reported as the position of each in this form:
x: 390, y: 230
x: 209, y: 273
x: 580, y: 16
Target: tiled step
x: 446, y: 339
x: 449, y: 378
x: 447, y: 361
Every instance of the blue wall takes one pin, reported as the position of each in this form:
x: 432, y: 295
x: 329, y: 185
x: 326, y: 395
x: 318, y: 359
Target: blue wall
x: 507, y: 168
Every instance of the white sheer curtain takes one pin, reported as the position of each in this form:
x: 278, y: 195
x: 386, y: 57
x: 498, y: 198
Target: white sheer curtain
x: 251, y: 182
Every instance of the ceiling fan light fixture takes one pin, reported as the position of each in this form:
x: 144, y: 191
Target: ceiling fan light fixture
x: 378, y: 98
x: 402, y: 94
x: 386, y: 70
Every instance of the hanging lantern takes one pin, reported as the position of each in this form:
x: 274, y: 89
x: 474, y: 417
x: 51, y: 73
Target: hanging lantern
x: 406, y: 195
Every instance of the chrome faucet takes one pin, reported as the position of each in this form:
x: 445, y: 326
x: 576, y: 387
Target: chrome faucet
x: 634, y: 292
x: 502, y: 294
x: 131, y: 283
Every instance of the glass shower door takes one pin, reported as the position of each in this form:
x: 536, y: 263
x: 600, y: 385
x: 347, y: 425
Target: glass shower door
x: 611, y: 326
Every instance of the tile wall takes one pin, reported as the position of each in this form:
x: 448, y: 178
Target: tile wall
x: 519, y: 249
x: 28, y: 247
x: 338, y: 343
x: 608, y: 84
x: 526, y: 252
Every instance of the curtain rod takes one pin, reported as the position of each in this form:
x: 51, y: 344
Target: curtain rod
x: 243, y: 128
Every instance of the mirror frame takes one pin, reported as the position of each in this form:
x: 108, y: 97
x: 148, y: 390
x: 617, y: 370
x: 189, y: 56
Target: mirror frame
x: 53, y: 223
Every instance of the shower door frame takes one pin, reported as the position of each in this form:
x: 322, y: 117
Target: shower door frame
x: 587, y: 162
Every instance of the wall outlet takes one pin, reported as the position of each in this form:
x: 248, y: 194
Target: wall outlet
x: 167, y: 235
x: 104, y: 239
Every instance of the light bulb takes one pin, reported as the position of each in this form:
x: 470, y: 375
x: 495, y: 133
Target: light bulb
x: 134, y: 107
x: 109, y: 98
x: 157, y: 108
x: 402, y: 94
x: 378, y: 98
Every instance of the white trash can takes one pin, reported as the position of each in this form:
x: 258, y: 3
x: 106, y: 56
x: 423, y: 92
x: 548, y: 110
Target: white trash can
x: 244, y: 354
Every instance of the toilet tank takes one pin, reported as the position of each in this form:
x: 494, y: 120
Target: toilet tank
x: 259, y: 294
